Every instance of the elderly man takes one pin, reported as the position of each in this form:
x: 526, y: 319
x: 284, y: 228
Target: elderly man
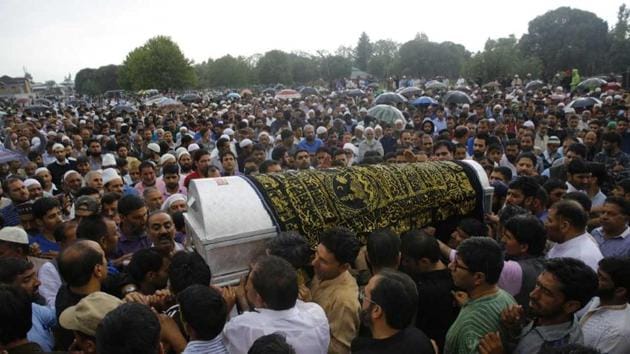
x: 94, y: 179
x: 310, y: 143
x: 369, y: 144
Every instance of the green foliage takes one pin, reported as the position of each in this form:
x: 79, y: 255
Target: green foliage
x: 336, y: 67
x: 423, y: 58
x: 382, y: 64
x: 158, y: 64
x: 501, y: 58
x: 226, y: 71
x: 274, y: 67
x: 619, y: 57
x: 363, y: 52
x: 96, y: 81
x: 567, y: 38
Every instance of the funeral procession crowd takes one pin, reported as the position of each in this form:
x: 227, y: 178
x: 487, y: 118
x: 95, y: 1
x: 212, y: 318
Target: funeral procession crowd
x: 96, y: 256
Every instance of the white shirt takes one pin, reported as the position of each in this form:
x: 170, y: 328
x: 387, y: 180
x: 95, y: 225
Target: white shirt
x: 50, y: 283
x: 305, y: 327
x: 582, y: 247
x: 606, y: 328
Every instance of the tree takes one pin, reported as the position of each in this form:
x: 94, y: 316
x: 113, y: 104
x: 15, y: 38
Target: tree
x: 382, y: 64
x: 304, y: 68
x: 501, y: 58
x: 567, y: 38
x: 363, y: 52
x: 335, y: 67
x: 96, y: 81
x: 423, y: 58
x: 158, y: 64
x: 274, y: 67
x: 619, y: 53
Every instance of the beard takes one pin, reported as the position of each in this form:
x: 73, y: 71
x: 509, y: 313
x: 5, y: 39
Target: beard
x: 365, y: 318
x: 606, y: 293
x: 185, y: 168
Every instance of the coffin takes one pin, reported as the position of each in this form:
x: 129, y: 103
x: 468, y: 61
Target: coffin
x: 229, y: 219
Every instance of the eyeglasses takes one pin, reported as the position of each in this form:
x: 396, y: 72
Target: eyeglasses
x: 456, y: 266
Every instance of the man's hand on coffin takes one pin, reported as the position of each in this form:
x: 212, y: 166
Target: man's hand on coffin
x: 135, y: 296
x: 491, y: 218
x: 120, y: 262
x: 491, y: 344
x: 161, y: 300
x: 229, y: 295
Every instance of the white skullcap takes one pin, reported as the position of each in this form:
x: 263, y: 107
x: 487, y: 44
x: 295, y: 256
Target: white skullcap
x: 108, y: 160
x: 110, y: 174
x: 321, y: 130
x: 40, y: 170
x: 57, y: 146
x: 228, y: 131
x: 172, y: 199
x: 31, y: 182
x: 68, y: 173
x: 154, y: 147
x: 181, y: 153
x: 245, y: 143
x: 166, y: 157
x: 193, y: 147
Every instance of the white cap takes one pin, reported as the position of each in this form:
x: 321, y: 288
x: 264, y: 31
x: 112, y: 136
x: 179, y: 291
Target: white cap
x: 351, y: 147
x: 181, y: 152
x: 245, y: 143
x: 228, y: 131
x: 68, y: 173
x: 31, y: 182
x: 166, y: 157
x: 57, y: 146
x: 529, y: 124
x: 40, y: 170
x: 192, y: 147
x: 321, y: 130
x: 108, y: 160
x: 14, y: 234
x: 154, y: 147
x: 109, y: 174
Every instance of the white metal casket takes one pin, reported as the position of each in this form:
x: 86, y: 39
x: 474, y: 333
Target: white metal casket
x: 228, y: 223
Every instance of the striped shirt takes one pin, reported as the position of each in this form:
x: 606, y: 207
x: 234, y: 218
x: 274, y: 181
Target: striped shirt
x: 477, y: 318
x: 214, y: 346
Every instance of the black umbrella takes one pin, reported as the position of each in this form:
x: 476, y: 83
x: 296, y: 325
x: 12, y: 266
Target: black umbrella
x: 190, y: 98
x: 123, y: 108
x: 354, y: 93
x: 374, y: 85
x: 591, y: 83
x: 389, y: 98
x: 269, y: 91
x: 410, y: 91
x: 37, y: 108
x: 534, y: 85
x: 583, y: 102
x: 279, y: 87
x: 307, y: 91
x: 457, y: 97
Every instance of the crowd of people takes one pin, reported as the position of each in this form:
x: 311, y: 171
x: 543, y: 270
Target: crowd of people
x: 95, y: 258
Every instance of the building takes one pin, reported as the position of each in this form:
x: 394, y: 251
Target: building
x: 15, y: 87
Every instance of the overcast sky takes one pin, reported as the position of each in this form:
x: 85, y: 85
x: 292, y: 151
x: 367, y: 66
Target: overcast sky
x: 53, y: 38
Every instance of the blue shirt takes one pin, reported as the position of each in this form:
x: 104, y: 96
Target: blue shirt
x: 616, y: 246
x: 10, y: 215
x: 214, y: 346
x: 45, y: 245
x: 44, y: 320
x: 310, y: 147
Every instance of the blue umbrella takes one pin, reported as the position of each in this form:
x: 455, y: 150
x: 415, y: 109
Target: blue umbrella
x: 7, y: 155
x: 423, y: 101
